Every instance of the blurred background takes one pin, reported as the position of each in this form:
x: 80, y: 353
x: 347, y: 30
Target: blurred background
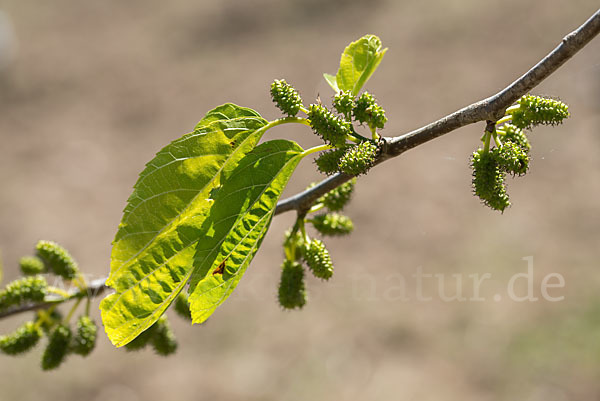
x: 90, y: 91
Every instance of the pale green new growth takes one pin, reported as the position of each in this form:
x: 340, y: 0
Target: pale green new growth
x: 359, y: 60
x: 331, y: 80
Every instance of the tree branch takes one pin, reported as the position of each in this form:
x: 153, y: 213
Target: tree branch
x: 304, y: 200
x: 95, y: 288
x: 490, y: 109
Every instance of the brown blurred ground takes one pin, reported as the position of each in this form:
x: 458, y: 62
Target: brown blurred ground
x: 97, y: 88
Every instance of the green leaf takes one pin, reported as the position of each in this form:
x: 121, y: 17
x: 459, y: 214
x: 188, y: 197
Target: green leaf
x: 154, y: 247
x: 238, y: 222
x: 359, y: 60
x: 331, y: 80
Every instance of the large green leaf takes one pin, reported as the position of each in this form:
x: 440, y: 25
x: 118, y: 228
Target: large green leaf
x: 358, y: 62
x: 154, y: 247
x: 238, y: 222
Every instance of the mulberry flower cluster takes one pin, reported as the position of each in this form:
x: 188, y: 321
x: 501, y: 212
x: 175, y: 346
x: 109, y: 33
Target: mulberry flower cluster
x: 64, y: 339
x: 510, y: 156
x: 285, y: 97
x: 336, y: 129
x: 531, y: 111
x: 301, y: 250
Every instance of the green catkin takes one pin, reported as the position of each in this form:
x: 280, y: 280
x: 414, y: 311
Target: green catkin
x: 163, y: 339
x: 318, y: 260
x: 22, y: 340
x: 511, y: 155
x: 286, y: 98
x: 324, y: 123
x: 57, y: 259
x: 57, y: 349
x: 509, y: 132
x: 337, y: 198
x: 512, y: 158
x: 182, y: 306
x: 292, y: 291
x: 344, y: 104
x: 31, y: 265
x: 333, y: 224
x: 84, y: 340
x: 536, y: 110
x: 358, y: 159
x: 488, y: 180
x: 18, y: 292
x: 368, y: 111
x: 328, y: 161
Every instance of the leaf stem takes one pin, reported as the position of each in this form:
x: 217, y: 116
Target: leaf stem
x: 486, y: 144
x: 316, y: 208
x: 60, y: 292
x: 374, y: 135
x: 504, y: 119
x: 303, y: 231
x: 43, y: 317
x: 358, y: 136
x: 496, y: 139
x: 72, y: 311
x: 286, y: 120
x: 512, y: 108
x: 316, y: 149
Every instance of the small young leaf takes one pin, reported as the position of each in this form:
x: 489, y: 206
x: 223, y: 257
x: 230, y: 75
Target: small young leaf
x: 331, y: 80
x: 153, y: 251
x: 238, y: 222
x: 358, y: 62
